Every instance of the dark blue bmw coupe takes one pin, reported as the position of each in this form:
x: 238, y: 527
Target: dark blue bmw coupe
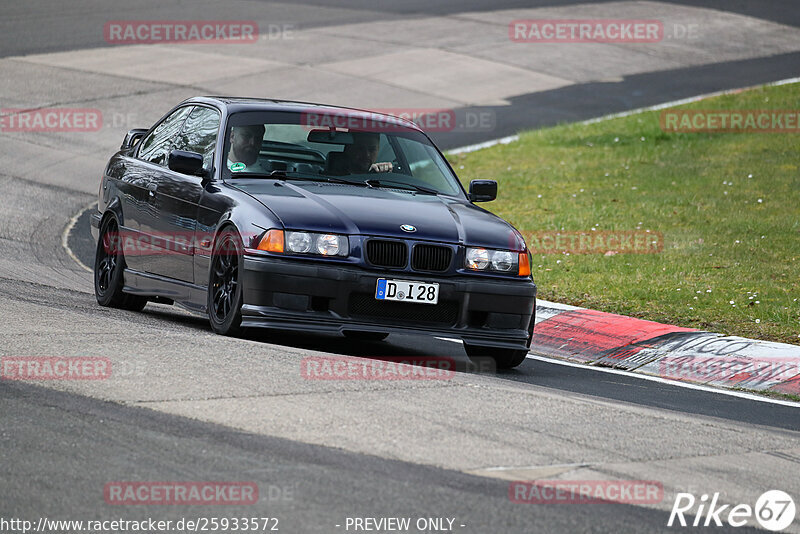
x: 296, y: 216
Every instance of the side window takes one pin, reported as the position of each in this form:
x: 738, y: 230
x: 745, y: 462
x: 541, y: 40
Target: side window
x: 156, y: 147
x: 199, y: 134
x: 425, y: 165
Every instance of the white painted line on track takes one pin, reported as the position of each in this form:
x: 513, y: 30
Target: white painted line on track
x: 65, y: 236
x: 557, y: 305
x: 547, y: 466
x: 485, y: 144
x: 512, y: 138
x: 651, y: 378
x: 683, y: 101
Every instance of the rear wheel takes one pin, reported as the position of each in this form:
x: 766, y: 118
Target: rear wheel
x: 109, y: 265
x: 503, y: 358
x: 365, y: 336
x: 224, y: 285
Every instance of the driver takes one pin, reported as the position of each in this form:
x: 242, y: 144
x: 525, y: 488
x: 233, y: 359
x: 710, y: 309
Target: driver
x: 245, y: 146
x: 359, y: 157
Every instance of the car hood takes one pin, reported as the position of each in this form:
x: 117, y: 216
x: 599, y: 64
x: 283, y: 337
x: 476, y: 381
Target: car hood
x: 347, y: 209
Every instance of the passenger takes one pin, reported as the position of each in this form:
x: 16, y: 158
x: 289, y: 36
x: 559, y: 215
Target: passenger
x: 359, y: 157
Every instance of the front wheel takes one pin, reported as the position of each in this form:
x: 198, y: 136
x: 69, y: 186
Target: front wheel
x: 225, y: 284
x: 503, y: 358
x: 109, y: 264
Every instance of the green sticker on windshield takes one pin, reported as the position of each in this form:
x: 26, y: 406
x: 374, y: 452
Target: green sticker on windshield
x: 238, y: 166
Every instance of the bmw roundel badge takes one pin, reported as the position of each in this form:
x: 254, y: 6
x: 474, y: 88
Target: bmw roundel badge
x: 407, y: 228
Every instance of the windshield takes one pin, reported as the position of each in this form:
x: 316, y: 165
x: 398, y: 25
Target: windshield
x: 344, y: 148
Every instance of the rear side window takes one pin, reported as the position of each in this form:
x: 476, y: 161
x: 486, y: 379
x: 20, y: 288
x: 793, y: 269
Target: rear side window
x: 199, y: 134
x: 156, y: 147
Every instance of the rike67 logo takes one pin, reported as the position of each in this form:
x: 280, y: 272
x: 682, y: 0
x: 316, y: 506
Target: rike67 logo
x: 774, y: 510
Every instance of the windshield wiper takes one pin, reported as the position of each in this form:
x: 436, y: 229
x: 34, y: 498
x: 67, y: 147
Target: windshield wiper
x: 283, y: 175
x: 375, y: 182
x: 316, y: 178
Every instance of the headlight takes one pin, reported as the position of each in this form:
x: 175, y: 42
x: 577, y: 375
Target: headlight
x: 303, y: 243
x: 299, y: 242
x: 477, y: 259
x: 329, y: 244
x: 503, y: 261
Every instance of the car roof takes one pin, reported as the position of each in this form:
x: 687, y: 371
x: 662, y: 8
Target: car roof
x: 240, y: 104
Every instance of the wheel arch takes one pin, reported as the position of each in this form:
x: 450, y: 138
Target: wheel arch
x: 225, y: 223
x: 249, y: 224
x: 113, y: 208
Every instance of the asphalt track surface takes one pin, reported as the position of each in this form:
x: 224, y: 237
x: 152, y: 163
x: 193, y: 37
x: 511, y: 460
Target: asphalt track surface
x: 186, y: 405
x: 39, y: 26
x: 24, y: 30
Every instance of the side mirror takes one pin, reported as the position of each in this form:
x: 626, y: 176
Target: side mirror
x: 482, y: 190
x: 186, y: 162
x: 133, y: 137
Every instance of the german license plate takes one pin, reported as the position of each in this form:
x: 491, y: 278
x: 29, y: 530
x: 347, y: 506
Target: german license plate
x: 407, y: 291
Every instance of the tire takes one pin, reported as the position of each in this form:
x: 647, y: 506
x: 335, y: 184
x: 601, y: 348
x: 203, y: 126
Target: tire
x: 503, y: 358
x: 365, y: 336
x: 224, y: 302
x: 109, y: 267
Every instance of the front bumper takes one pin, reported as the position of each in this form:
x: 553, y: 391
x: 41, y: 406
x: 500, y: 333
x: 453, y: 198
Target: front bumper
x: 295, y: 295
